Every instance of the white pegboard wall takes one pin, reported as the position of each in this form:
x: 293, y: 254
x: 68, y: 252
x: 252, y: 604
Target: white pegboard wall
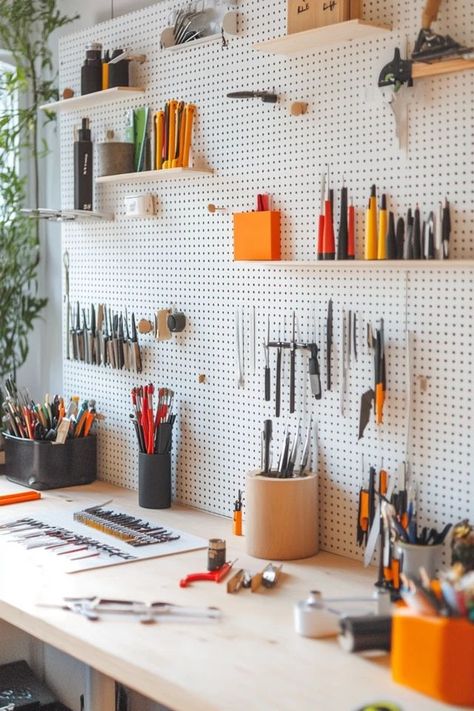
x: 184, y: 257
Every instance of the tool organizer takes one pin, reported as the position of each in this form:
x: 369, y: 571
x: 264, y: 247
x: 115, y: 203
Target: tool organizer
x: 184, y: 255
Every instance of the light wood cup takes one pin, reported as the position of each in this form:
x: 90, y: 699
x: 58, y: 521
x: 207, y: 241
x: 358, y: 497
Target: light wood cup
x: 281, y: 517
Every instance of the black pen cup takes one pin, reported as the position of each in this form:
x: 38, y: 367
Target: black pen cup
x: 154, y: 480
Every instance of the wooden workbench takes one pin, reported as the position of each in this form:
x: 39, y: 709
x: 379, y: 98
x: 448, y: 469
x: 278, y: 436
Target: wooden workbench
x: 251, y: 659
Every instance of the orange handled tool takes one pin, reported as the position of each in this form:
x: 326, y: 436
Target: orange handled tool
x: 19, y: 497
x: 180, y: 136
x: 215, y: 575
x: 172, y: 106
x: 189, y: 111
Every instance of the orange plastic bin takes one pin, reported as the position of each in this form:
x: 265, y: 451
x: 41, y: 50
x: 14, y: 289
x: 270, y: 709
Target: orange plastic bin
x: 257, y: 235
x: 434, y: 655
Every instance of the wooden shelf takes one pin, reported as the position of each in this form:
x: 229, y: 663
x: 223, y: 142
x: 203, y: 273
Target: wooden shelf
x: 447, y: 66
x: 97, y: 98
x: 349, y: 264
x: 324, y: 36
x: 170, y: 173
x: 45, y: 213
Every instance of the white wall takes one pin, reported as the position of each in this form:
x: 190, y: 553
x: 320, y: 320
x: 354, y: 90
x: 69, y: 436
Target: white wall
x: 43, y: 370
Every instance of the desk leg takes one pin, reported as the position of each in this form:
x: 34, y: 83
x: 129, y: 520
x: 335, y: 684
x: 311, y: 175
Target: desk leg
x: 100, y: 691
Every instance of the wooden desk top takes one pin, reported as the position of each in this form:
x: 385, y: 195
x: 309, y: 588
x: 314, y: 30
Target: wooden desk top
x: 252, y: 659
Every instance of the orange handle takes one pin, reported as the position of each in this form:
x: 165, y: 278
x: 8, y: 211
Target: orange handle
x: 90, y: 417
x: 364, y: 510
x: 237, y: 523
x: 19, y: 498
x: 383, y: 481
x: 172, y: 106
x: 379, y: 401
x: 189, y: 111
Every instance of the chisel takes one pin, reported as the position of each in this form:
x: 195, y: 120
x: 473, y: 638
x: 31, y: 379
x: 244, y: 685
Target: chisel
x: 342, y: 242
x: 278, y: 380
x: 329, y: 337
x: 382, y: 238
x: 391, y: 246
x: 446, y: 229
x: 292, y: 367
x: 314, y: 372
x: 136, y: 357
x: 267, y: 363
x: 417, y: 234
x: 400, y: 238
x: 266, y: 441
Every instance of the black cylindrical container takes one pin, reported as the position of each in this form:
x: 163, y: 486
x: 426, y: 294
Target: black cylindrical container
x: 91, y: 71
x: 154, y: 480
x: 83, y: 179
x: 118, y: 72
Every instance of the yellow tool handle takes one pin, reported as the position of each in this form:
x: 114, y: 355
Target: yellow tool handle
x: 173, y: 104
x: 371, y: 230
x: 430, y: 13
x: 189, y: 111
x: 159, y: 136
x: 382, y: 240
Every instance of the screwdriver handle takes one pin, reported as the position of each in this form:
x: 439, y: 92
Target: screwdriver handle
x: 278, y: 384
x: 267, y: 384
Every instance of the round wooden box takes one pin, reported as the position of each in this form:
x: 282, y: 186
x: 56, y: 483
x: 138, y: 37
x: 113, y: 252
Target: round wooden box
x: 281, y: 517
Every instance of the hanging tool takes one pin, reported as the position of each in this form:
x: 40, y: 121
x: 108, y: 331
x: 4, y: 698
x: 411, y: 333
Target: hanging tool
x: 237, y: 517
x: 239, y: 342
x: 329, y: 339
x: 314, y: 372
x: 292, y: 367
x: 216, y: 575
x: 371, y: 226
x: 343, y: 237
x: 265, y: 96
x: 380, y: 377
x: 408, y: 244
x: 345, y: 357
x: 189, y: 113
x: 278, y: 378
x: 66, y: 299
x: 400, y: 237
x: 429, y: 45
x: 267, y: 364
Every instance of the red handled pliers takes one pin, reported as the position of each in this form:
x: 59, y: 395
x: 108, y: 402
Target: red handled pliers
x: 215, y: 575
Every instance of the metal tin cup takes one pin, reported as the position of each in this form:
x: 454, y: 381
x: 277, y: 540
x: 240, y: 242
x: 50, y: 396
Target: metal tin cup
x: 416, y: 557
x: 216, y: 554
x: 154, y: 480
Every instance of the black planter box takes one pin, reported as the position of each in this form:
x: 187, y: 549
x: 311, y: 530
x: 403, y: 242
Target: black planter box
x: 42, y: 465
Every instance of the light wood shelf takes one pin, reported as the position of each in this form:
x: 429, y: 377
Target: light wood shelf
x: 447, y: 66
x: 45, y: 213
x: 142, y: 176
x: 323, y: 36
x: 97, y: 98
x: 349, y: 264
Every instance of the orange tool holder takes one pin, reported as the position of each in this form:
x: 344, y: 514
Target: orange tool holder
x: 435, y: 656
x: 257, y: 236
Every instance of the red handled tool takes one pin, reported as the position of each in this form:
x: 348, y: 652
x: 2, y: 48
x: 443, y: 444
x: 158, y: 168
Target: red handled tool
x: 215, y: 575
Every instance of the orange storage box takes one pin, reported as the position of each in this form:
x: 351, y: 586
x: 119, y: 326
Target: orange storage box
x: 434, y: 655
x: 257, y: 235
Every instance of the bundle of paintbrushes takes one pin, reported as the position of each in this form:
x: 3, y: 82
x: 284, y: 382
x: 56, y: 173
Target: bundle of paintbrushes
x: 49, y: 420
x: 133, y: 531
x: 153, y: 428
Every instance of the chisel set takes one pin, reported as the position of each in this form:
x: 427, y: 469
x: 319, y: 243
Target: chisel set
x: 410, y: 238
x: 104, y: 338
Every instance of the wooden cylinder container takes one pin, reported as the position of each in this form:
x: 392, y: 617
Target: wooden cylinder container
x: 281, y: 517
